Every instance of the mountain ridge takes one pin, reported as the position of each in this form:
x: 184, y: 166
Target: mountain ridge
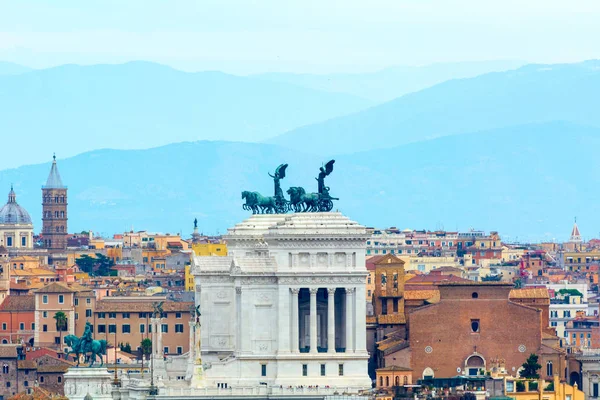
x: 456, y: 181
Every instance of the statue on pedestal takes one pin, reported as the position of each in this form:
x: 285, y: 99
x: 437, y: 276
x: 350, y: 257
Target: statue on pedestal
x: 86, y: 344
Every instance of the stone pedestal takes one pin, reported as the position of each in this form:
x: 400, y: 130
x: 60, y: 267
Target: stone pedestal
x: 79, y: 382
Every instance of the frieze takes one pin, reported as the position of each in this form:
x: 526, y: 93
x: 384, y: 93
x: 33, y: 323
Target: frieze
x: 296, y: 280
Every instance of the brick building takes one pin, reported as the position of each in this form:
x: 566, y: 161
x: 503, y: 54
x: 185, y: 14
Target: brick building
x: 472, y: 324
x: 127, y: 320
x: 54, y: 211
x: 17, y: 319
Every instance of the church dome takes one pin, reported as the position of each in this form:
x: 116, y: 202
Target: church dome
x: 12, y: 213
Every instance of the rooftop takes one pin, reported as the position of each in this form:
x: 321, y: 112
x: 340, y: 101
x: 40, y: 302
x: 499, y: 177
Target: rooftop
x: 18, y: 303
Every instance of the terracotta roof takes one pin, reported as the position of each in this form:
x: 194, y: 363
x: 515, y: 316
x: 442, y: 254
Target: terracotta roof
x: 140, y: 306
x: 429, y: 295
x: 26, y: 364
x: 52, y: 368
x: 19, y: 286
x: 370, y: 262
x: 35, y: 354
x: 8, y: 351
x: 436, y: 279
x: 447, y: 269
x: 18, y: 303
x: 61, y: 287
x: 393, y: 368
x: 535, y: 293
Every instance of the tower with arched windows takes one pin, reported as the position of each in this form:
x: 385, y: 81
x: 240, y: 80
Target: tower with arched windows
x: 54, y: 211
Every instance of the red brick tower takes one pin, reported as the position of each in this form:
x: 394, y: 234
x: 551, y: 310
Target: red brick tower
x: 54, y: 207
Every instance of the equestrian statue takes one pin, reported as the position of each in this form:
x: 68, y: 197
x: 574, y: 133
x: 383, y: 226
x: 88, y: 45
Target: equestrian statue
x: 86, y: 345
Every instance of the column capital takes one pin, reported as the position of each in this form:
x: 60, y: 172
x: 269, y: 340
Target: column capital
x: 313, y: 291
x: 331, y: 291
x: 238, y: 290
x: 350, y: 289
x: 295, y: 291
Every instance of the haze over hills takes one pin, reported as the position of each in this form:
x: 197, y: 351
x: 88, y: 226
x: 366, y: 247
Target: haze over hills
x: 393, y: 82
x: 516, y: 180
x: 71, y: 109
x: 530, y: 94
x: 9, y: 68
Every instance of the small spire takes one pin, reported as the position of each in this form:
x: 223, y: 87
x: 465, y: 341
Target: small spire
x: 54, y: 157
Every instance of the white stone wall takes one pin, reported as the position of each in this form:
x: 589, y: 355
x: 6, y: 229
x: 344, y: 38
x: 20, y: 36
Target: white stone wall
x: 246, y: 301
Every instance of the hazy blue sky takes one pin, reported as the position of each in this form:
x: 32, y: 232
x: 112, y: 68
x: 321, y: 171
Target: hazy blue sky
x: 296, y: 35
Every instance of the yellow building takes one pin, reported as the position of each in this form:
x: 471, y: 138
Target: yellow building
x: 519, y: 389
x: 210, y: 249
x: 24, y: 263
x: 189, y: 279
x: 426, y: 264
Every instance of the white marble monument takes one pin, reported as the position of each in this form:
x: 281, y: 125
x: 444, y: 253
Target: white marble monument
x: 287, y: 306
x: 83, y: 381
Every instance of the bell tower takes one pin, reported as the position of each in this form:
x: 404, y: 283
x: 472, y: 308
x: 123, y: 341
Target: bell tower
x: 54, y: 211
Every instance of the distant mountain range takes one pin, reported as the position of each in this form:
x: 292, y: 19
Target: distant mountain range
x: 8, y: 68
x: 393, y: 82
x: 530, y: 94
x: 71, y: 109
x: 529, y: 178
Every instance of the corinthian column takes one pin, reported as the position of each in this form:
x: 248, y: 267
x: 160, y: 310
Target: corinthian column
x: 349, y: 320
x: 295, y: 323
x: 331, y: 320
x: 313, y: 320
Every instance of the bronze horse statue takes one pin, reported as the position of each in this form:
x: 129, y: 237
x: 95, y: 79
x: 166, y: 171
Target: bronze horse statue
x: 97, y: 348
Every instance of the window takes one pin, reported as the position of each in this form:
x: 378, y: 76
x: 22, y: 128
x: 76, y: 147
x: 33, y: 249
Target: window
x: 178, y: 315
x: 549, y: 368
x: 45, y: 328
x: 595, y: 390
x: 76, y: 315
x: 23, y: 241
x: 164, y: 328
x: 178, y: 328
x: 76, y: 302
x: 142, y: 315
x: 5, y: 369
x: 88, y: 313
x: 22, y: 326
x: 126, y: 315
x: 45, y: 314
x: 7, y: 384
x: 142, y: 328
x: 304, y: 369
x: 9, y: 241
x: 475, y: 326
x: 59, y: 379
x: 322, y: 369
x: 263, y: 370
x: 33, y: 326
x: 112, y: 315
x: 101, y: 328
x: 166, y: 350
x: 341, y: 370
x: 101, y: 315
x: 57, y: 340
x: 4, y: 326
x: 45, y: 299
x: 112, y: 328
x: 61, y: 299
x: 88, y: 301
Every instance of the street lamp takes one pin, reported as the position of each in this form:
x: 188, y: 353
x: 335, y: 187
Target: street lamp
x: 116, y: 380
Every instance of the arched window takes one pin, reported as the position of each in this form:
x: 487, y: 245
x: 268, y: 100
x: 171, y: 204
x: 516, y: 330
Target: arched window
x: 397, y: 383
x: 381, y: 381
x: 474, y: 295
x: 549, y: 368
x: 62, y: 214
x: 55, y: 214
x: 56, y: 199
x: 62, y: 199
x: 405, y: 380
x: 387, y: 381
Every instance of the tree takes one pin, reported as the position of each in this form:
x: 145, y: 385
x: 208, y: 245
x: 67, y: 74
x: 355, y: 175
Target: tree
x: 491, y: 278
x: 146, y: 346
x: 103, y: 264
x: 61, y: 324
x: 531, y: 367
x: 126, y: 347
x: 86, y: 263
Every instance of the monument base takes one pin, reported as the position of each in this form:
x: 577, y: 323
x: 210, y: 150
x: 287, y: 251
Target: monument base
x: 79, y: 382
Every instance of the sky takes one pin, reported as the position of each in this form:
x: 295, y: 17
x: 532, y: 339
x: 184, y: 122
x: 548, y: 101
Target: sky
x: 317, y: 36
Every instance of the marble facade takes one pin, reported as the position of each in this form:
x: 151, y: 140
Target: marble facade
x: 287, y: 306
